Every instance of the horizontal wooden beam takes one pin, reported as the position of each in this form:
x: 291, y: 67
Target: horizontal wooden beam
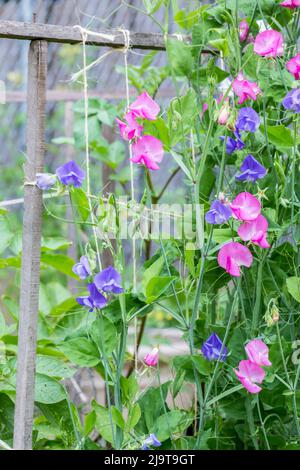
x: 72, y: 35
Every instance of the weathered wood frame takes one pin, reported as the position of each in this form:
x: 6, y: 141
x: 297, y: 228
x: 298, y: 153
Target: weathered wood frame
x: 40, y: 35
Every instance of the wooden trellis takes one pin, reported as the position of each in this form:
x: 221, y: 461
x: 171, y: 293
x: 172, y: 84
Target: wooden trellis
x: 40, y: 35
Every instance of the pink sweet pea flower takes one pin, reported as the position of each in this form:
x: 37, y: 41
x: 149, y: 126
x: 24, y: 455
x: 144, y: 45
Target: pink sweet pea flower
x: 290, y: 4
x: 245, y: 89
x: 243, y: 30
x: 258, y: 352
x: 245, y: 207
x: 148, y: 151
x: 130, y: 129
x: 224, y: 114
x: 293, y: 66
x: 151, y: 359
x: 249, y: 375
x: 145, y: 107
x: 255, y: 231
x: 232, y: 255
x: 269, y: 43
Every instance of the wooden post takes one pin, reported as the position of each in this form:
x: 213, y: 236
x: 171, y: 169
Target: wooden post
x: 32, y: 223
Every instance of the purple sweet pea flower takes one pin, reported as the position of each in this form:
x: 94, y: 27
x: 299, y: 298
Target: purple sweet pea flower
x: 218, y: 214
x: 45, y: 181
x: 94, y: 300
x: 109, y: 280
x: 70, y: 174
x: 292, y: 100
x: 251, y: 170
x: 82, y: 269
x: 247, y: 120
x: 212, y: 347
x: 151, y: 441
x: 232, y: 145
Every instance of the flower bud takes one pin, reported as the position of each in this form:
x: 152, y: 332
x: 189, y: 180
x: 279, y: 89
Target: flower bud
x: 151, y: 359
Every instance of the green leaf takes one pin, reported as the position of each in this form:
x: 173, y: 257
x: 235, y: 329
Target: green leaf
x: 55, y: 243
x: 169, y: 423
x: 53, y: 367
x: 80, y: 203
x: 107, y: 339
x: 280, y: 136
x: 129, y: 387
x: 6, y: 234
x: 117, y: 417
x: 152, y: 5
x: 48, y: 390
x: 180, y: 57
x: 81, y: 351
x: 293, y: 286
x: 157, y: 286
x: 61, y: 263
x: 134, y: 416
x: 103, y: 424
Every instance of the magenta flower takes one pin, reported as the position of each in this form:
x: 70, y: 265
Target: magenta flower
x: 109, y: 280
x: 293, y: 66
x: 258, y: 352
x: 219, y: 213
x: 70, y: 174
x: 245, y: 89
x: 255, y: 231
x: 130, y: 129
x: 243, y: 30
x: 290, y: 4
x: 82, y: 269
x: 94, y: 300
x: 145, y: 107
x: 45, y: 180
x: 232, y: 256
x: 251, y: 170
x: 151, y: 359
x: 269, y: 43
x: 245, y: 207
x: 148, y: 150
x: 250, y: 374
x: 292, y: 100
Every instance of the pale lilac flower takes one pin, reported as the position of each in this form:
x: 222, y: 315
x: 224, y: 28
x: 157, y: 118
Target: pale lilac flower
x: 151, y: 359
x: 293, y: 66
x: 145, y: 107
x: 245, y: 89
x: 82, y: 269
x: 243, y: 30
x: 269, y: 43
x: 245, y: 207
x: 212, y: 348
x: 94, y: 300
x: 70, y: 174
x: 109, y: 280
x: 148, y: 150
x: 130, y: 129
x: 45, y: 180
x: 250, y: 374
x: 255, y: 231
x: 151, y: 441
x: 232, y: 256
x: 248, y: 120
x: 251, y: 170
x: 258, y: 352
x: 292, y: 100
x: 218, y: 214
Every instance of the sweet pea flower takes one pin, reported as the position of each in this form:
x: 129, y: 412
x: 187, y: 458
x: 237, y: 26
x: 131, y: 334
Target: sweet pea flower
x: 233, y: 144
x: 293, y: 66
x: 94, y: 300
x: 250, y: 374
x: 258, y: 352
x: 213, y: 349
x: 248, y: 120
x: 45, y: 180
x: 269, y: 43
x: 255, y: 231
x: 151, y: 441
x: 245, y: 89
x: 70, y: 174
x: 145, y: 107
x: 292, y: 100
x: 109, y: 280
x: 245, y: 207
x: 148, y: 150
x: 243, y: 30
x: 251, y: 170
x: 224, y: 114
x: 232, y: 255
x: 130, y: 129
x: 290, y: 4
x: 218, y: 214
x: 82, y: 269
x: 151, y: 359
